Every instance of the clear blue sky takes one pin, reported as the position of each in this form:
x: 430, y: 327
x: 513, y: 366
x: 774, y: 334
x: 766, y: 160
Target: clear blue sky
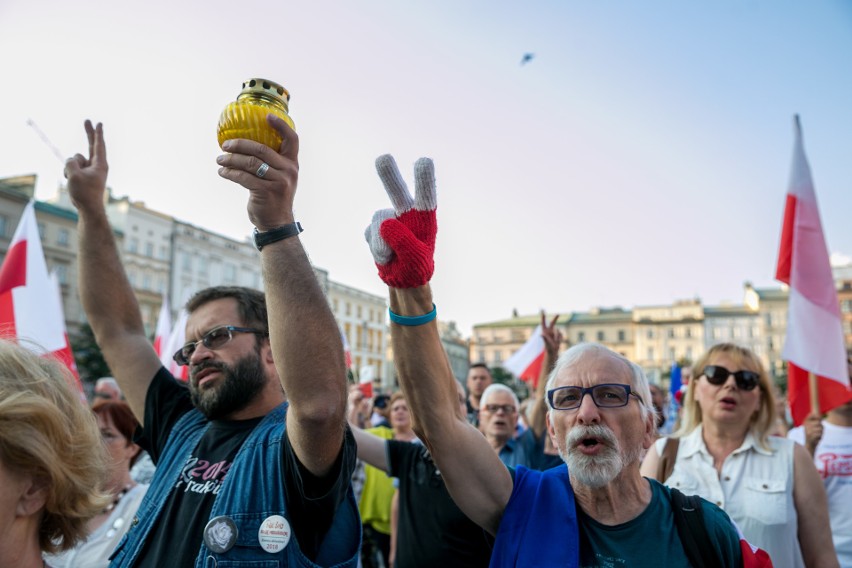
x: 641, y: 157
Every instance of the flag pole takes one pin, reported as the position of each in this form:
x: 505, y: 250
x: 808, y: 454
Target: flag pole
x: 812, y: 382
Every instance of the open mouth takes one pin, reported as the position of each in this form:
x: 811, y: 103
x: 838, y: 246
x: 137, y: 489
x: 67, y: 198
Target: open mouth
x: 589, y: 442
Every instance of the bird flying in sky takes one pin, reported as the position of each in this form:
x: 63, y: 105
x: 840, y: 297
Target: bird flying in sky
x: 527, y: 58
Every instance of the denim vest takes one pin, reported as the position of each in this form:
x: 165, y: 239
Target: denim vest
x: 250, y: 493
x: 539, y: 525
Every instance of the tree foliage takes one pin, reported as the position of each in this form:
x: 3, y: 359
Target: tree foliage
x: 90, y: 361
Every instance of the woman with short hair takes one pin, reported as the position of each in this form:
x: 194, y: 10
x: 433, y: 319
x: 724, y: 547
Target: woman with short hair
x: 52, y: 462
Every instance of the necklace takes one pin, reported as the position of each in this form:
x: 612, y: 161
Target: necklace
x: 117, y: 498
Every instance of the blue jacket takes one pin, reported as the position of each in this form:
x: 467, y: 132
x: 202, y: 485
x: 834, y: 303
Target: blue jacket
x: 539, y: 526
x: 250, y: 494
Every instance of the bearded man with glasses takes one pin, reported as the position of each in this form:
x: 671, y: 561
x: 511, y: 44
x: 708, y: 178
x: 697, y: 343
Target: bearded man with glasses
x: 254, y: 457
x: 598, y: 511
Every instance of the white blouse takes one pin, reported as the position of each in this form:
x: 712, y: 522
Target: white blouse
x: 95, y: 551
x: 755, y: 489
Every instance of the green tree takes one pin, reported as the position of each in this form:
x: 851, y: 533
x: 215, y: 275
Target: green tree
x: 502, y: 376
x: 90, y: 361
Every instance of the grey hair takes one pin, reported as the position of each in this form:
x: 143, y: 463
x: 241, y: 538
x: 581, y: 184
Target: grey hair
x: 497, y: 387
x: 572, y: 356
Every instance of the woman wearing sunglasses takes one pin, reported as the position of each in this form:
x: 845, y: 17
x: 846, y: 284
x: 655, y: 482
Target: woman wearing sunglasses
x: 724, y: 453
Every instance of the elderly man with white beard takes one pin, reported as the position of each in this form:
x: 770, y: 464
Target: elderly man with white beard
x: 597, y: 511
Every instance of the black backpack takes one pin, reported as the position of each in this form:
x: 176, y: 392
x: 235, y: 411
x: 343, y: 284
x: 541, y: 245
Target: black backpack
x: 692, y: 531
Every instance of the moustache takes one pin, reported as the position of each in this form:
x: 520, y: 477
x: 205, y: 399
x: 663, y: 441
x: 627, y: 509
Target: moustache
x: 598, y: 431
x: 195, y: 369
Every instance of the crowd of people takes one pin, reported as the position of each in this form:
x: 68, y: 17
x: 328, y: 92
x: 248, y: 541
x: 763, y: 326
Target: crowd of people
x: 266, y: 456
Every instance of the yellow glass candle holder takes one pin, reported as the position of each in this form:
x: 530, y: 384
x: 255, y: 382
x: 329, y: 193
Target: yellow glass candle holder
x: 246, y: 117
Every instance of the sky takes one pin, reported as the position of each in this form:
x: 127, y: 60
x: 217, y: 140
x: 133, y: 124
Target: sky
x: 641, y: 157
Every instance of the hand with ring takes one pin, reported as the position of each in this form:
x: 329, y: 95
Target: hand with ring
x: 270, y: 176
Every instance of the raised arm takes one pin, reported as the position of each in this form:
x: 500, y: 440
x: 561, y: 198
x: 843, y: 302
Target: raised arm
x: 306, y: 344
x: 402, y: 242
x: 538, y: 408
x: 106, y: 294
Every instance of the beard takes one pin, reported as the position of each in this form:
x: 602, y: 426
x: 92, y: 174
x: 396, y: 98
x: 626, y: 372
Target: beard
x: 598, y: 470
x: 241, y: 384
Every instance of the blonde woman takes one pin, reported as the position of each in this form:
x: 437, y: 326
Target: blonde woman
x: 726, y: 455
x: 52, y: 461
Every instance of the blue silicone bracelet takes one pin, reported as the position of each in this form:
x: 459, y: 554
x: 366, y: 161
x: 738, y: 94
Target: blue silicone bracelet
x: 413, y: 320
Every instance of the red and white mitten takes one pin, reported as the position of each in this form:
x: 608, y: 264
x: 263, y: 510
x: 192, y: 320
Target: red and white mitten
x: 402, y: 239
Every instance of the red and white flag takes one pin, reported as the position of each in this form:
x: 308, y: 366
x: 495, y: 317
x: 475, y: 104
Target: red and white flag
x: 161, y: 336
x: 30, y: 302
x: 814, y: 342
x: 177, y: 339
x: 526, y: 362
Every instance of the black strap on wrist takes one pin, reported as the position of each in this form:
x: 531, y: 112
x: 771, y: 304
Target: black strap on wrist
x: 263, y: 238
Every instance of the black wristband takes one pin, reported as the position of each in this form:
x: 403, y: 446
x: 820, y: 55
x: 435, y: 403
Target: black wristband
x: 261, y: 239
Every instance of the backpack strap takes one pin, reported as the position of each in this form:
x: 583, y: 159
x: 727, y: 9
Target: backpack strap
x: 692, y: 531
x: 667, y: 459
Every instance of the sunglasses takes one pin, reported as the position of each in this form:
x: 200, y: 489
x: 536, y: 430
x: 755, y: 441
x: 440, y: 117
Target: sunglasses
x: 214, y: 339
x: 746, y: 380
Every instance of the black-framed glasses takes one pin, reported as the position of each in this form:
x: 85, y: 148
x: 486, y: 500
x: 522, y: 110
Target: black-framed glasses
x: 495, y: 408
x: 607, y: 395
x: 716, y: 375
x: 213, y: 339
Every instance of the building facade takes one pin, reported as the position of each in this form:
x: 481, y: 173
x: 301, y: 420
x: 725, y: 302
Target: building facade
x: 363, y: 322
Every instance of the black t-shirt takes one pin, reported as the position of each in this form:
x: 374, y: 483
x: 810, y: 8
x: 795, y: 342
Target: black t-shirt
x: 176, y: 536
x: 432, y: 530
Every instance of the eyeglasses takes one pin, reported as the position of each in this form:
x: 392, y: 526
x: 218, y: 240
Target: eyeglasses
x: 607, y: 395
x: 716, y: 375
x: 495, y: 408
x: 213, y: 339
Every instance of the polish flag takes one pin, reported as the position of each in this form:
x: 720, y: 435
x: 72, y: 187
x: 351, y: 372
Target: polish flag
x: 753, y: 557
x: 30, y: 302
x: 177, y: 339
x: 365, y: 381
x: 161, y: 336
x: 526, y: 362
x: 814, y: 342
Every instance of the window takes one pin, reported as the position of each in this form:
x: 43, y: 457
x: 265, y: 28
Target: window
x: 672, y: 354
x: 481, y: 355
x: 498, y: 357
x: 717, y: 333
x: 62, y: 238
x: 600, y: 336
x: 358, y: 312
x: 670, y: 332
x: 146, y: 281
x: 187, y: 262
x: 202, y: 265
x: 650, y: 333
x: 42, y: 231
x: 581, y: 337
x: 149, y: 250
x: 621, y: 336
x: 61, y: 271
x: 334, y: 305
x: 133, y: 245
x: 650, y: 354
x: 348, y: 308
x: 230, y: 273
x: 164, y: 253
x: 688, y: 332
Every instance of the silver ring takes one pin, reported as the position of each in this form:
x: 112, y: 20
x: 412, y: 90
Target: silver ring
x: 261, y: 171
